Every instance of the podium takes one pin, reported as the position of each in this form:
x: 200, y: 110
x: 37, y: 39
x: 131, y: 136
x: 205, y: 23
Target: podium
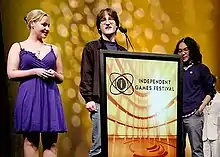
x: 140, y: 104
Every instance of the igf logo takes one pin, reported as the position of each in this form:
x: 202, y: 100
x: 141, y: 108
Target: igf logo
x: 121, y: 83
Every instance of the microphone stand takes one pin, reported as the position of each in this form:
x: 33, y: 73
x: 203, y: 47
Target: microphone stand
x: 124, y: 31
x: 128, y: 41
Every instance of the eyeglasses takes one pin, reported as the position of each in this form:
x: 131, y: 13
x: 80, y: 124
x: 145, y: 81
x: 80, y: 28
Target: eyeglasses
x: 180, y: 51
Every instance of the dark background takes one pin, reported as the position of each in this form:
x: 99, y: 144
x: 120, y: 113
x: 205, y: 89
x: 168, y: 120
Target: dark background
x: 5, y: 139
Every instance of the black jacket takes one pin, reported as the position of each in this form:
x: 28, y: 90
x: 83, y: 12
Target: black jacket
x: 90, y: 70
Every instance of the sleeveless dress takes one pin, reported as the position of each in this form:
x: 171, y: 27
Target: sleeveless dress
x: 38, y: 105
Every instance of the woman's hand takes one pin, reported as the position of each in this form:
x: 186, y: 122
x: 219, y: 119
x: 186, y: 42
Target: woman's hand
x: 51, y: 73
x: 43, y: 73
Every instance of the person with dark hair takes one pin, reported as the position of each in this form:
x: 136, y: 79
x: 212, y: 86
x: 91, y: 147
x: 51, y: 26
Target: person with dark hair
x: 211, y: 124
x: 38, y: 67
x: 197, y: 91
x: 107, y: 24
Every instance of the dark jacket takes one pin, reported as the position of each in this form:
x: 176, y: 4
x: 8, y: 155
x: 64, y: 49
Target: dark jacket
x: 90, y: 70
x: 197, y: 83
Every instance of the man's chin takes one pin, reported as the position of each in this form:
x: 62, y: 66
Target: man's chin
x: 109, y: 32
x: 185, y: 60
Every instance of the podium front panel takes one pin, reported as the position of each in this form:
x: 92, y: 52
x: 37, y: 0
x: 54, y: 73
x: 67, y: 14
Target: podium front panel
x: 139, y: 105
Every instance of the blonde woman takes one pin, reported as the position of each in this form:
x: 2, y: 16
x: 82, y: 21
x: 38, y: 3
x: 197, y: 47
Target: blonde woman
x: 38, y: 67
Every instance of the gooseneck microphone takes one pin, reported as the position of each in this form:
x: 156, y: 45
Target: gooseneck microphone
x: 124, y: 31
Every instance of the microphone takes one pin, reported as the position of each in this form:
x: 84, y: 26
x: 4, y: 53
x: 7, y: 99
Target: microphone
x: 124, y: 31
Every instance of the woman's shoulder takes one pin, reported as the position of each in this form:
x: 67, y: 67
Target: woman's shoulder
x: 20, y: 44
x: 54, y: 48
x: 16, y: 46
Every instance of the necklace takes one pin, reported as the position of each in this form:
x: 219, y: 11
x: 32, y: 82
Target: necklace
x: 37, y: 54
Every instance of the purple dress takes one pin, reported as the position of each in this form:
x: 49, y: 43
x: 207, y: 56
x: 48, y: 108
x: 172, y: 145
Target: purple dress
x: 38, y: 103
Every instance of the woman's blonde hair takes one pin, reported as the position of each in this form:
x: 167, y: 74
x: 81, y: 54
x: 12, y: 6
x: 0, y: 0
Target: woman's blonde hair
x: 34, y: 16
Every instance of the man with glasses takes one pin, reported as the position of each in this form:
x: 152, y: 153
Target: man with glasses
x: 197, y: 91
x: 107, y: 23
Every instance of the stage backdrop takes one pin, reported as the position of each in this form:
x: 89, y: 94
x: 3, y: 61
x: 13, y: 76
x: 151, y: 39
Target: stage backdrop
x: 153, y: 26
